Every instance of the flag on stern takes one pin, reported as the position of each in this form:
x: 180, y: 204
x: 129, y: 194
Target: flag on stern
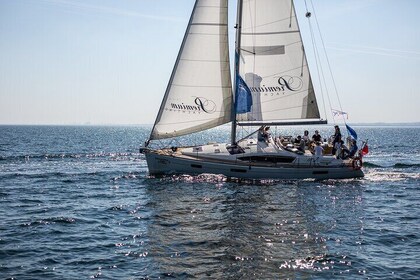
x: 352, y: 132
x: 365, y: 149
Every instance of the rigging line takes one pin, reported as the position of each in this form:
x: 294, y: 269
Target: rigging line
x: 325, y: 83
x: 318, y: 65
x: 306, y: 6
x: 328, y: 61
x: 169, y: 141
x: 254, y: 39
x: 248, y: 134
x: 321, y: 73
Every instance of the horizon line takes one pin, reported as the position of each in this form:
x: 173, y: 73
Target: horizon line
x: 150, y: 124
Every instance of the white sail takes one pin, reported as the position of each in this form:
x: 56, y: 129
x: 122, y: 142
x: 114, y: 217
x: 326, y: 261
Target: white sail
x: 199, y: 93
x: 273, y: 64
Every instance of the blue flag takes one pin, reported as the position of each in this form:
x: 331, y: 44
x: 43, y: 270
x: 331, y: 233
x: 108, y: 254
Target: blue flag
x: 243, y: 96
x: 352, y: 132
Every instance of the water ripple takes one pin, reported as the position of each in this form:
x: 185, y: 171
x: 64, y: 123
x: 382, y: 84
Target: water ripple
x: 77, y: 203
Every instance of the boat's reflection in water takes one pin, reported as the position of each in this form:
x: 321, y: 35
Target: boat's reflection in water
x: 206, y: 227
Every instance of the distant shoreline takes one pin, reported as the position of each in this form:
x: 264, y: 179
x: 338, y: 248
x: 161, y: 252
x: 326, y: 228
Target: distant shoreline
x: 387, y: 124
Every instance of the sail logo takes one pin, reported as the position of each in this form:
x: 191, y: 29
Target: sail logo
x: 283, y: 83
x: 201, y: 104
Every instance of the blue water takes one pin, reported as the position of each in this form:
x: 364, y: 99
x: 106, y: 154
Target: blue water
x: 77, y: 203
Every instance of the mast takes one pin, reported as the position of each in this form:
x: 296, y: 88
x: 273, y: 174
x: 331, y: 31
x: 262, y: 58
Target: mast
x: 237, y: 58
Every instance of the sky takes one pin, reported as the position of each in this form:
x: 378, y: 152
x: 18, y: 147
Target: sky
x: 109, y: 61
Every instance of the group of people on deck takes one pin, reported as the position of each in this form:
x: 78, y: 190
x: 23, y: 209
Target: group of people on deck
x: 305, y: 141
x: 339, y: 149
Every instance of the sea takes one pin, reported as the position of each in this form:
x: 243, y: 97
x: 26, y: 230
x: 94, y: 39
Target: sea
x: 77, y: 202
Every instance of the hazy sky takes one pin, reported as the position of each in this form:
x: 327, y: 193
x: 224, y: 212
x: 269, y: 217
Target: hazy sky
x: 108, y: 62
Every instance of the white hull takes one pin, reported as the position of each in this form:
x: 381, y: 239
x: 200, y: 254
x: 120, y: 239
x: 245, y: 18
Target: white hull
x: 166, y: 162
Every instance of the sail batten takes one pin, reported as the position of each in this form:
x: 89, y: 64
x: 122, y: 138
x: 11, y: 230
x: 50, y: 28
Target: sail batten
x: 270, y: 33
x: 199, y: 93
x: 209, y: 24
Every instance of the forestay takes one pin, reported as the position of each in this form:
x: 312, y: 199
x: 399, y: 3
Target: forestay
x: 273, y: 64
x: 199, y: 93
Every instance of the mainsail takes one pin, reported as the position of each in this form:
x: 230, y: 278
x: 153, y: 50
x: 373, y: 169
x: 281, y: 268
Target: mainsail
x: 199, y: 93
x: 273, y: 64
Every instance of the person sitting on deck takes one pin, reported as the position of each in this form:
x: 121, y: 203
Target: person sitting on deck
x: 267, y: 134
x: 279, y: 140
x: 353, y: 150
x: 261, y: 134
x: 343, y: 152
x: 318, y: 150
x: 300, y: 144
x: 316, y: 137
x: 306, y: 137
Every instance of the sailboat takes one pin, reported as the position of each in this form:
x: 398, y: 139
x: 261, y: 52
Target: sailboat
x: 272, y: 87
